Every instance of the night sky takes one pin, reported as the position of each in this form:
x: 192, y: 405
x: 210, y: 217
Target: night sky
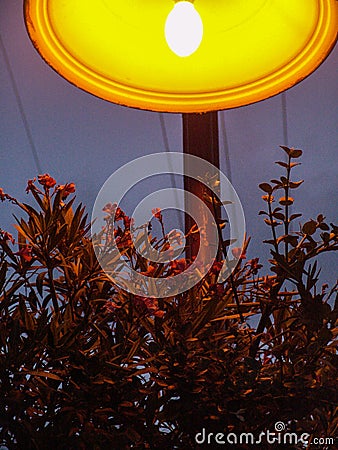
x: 83, y: 139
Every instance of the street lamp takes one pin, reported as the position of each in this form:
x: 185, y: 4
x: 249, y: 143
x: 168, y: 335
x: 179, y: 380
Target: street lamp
x: 127, y: 52
x: 117, y: 49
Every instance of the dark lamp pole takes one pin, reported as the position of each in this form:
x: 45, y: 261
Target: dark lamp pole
x: 200, y: 138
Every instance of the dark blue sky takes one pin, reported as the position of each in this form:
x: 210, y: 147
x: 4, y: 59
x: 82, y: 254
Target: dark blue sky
x: 84, y: 139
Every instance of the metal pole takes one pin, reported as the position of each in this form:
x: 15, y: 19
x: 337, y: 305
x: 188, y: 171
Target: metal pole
x: 200, y: 138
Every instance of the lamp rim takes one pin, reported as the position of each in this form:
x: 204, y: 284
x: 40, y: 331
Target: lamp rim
x: 317, y: 48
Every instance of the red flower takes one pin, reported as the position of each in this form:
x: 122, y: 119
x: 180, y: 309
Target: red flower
x: 238, y: 253
x: 216, y: 267
x: 46, y: 180
x: 30, y: 185
x: 266, y: 337
x: 124, y: 241
x: 25, y: 253
x: 7, y: 237
x: 119, y: 214
x: 267, y: 283
x: 178, y: 265
x: 110, y: 208
x: 217, y: 288
x: 3, y: 196
x: 150, y: 271
x: 266, y: 358
x: 111, y: 306
x: 148, y: 305
x: 127, y: 221
x: 118, y: 232
x: 254, y: 265
x: 157, y: 214
x: 66, y: 189
x: 151, y: 303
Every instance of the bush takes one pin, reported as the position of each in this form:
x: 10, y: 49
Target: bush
x: 86, y: 365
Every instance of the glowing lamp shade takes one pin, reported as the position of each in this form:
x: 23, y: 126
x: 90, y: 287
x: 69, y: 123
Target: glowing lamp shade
x: 118, y: 51
x: 184, y: 29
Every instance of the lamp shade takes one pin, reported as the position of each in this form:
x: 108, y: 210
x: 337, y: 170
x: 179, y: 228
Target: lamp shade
x: 116, y: 49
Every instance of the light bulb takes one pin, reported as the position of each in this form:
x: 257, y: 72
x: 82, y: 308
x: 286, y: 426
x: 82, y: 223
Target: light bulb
x: 183, y: 29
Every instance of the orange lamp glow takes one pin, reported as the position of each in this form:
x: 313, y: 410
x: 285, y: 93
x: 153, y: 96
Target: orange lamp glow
x: 117, y: 50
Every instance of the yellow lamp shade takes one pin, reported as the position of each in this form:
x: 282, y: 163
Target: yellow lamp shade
x: 117, y: 50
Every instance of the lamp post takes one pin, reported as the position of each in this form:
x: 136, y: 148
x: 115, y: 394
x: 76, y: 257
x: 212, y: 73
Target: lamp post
x: 234, y: 54
x: 200, y: 133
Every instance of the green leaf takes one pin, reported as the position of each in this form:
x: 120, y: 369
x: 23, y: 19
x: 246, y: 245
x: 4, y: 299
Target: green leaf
x: 294, y: 216
x: 290, y: 239
x: 279, y: 216
x: 295, y: 153
x: 266, y: 187
x: 292, y: 152
x: 281, y: 163
x: 269, y: 241
x: 29, y: 210
x: 286, y: 149
x: 39, y: 282
x: 295, y: 184
x: 37, y: 373
x: 325, y: 237
x: 324, y: 226
x: 276, y: 182
x: 309, y: 228
x: 3, y: 272
x: 38, y: 199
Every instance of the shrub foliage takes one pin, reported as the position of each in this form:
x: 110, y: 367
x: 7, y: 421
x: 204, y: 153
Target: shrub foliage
x: 85, y: 365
